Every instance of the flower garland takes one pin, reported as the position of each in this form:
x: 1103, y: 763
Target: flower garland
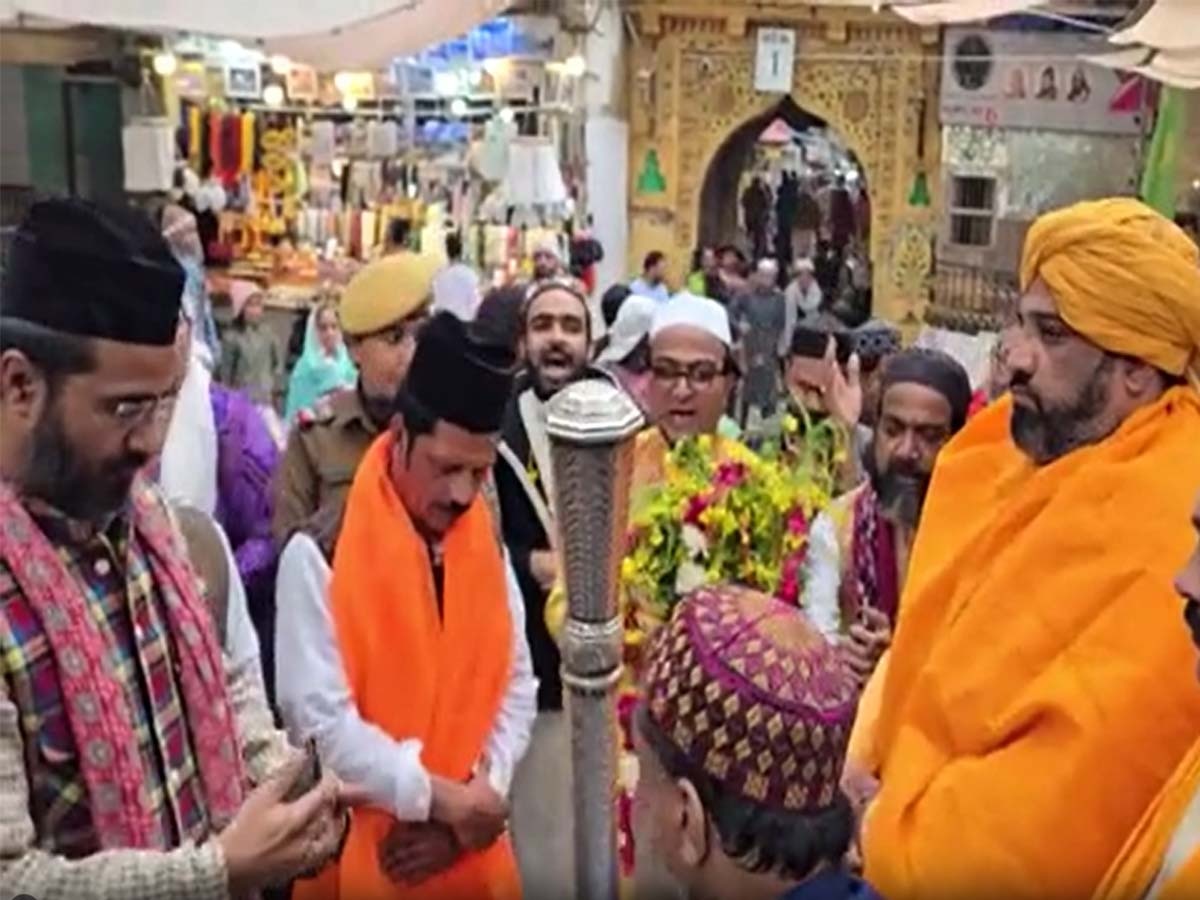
x: 728, y: 517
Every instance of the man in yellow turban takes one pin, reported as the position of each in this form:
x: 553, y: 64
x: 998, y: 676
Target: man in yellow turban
x: 1039, y: 689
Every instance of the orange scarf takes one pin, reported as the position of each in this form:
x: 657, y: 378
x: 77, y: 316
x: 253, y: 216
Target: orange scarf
x: 1142, y: 858
x: 1041, y: 687
x: 415, y: 675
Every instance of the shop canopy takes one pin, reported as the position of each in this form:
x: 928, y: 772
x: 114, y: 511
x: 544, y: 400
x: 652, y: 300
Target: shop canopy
x: 327, y: 34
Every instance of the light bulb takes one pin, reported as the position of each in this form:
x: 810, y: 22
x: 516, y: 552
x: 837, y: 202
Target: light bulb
x: 507, y: 115
x: 349, y: 102
x: 280, y: 64
x: 575, y: 65
x: 458, y: 107
x: 273, y: 95
x: 165, y: 63
x: 475, y: 77
x: 445, y: 83
x: 342, y: 81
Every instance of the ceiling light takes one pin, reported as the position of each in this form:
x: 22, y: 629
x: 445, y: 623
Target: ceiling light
x: 458, y: 107
x: 508, y: 115
x: 349, y: 102
x: 165, y: 63
x: 575, y: 65
x: 280, y: 64
x: 343, y: 81
x: 273, y: 95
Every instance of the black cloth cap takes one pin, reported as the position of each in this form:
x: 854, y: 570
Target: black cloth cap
x: 93, y: 271
x: 459, y: 376
x: 935, y: 370
x: 875, y: 339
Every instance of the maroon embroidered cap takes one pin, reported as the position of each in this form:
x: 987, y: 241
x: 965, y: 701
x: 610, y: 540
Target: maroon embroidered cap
x: 749, y: 691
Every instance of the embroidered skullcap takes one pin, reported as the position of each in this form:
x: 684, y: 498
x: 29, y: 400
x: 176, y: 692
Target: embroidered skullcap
x: 92, y: 270
x: 458, y: 376
x: 752, y: 695
x: 386, y: 292
x: 875, y: 339
x: 1123, y: 276
x: 690, y: 311
x: 935, y: 370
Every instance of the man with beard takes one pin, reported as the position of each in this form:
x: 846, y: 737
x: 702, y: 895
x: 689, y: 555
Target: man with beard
x: 127, y: 752
x: 380, y: 312
x: 409, y: 664
x: 547, y: 261
x: 1162, y: 857
x: 860, y: 547
x: 555, y: 337
x: 1038, y: 649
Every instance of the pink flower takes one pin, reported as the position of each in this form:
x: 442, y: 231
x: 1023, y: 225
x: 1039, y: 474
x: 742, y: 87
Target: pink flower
x: 730, y: 474
x: 695, y: 506
x: 797, y: 522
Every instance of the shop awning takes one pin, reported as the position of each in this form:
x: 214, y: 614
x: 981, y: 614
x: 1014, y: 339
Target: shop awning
x: 957, y: 12
x: 328, y: 34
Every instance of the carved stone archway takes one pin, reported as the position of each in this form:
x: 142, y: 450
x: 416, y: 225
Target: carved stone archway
x: 869, y: 76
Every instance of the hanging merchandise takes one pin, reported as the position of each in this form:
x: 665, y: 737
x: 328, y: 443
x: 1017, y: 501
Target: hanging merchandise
x: 149, y: 152
x: 247, y: 143
x: 323, y: 142
x: 498, y: 136
x: 195, y: 135
x: 383, y: 139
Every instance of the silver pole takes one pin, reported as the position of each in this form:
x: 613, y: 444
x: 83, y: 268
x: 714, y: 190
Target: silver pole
x: 591, y: 426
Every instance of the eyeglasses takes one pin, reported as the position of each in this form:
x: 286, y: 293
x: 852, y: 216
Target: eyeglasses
x: 131, y: 414
x: 699, y: 375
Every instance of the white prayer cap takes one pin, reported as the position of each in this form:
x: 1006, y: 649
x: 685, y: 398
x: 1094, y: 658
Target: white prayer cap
x: 768, y: 265
x: 804, y: 265
x: 688, y: 310
x: 549, y: 247
x: 632, y: 324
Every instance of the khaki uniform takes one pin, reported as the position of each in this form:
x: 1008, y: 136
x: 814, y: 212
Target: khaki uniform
x: 319, y: 463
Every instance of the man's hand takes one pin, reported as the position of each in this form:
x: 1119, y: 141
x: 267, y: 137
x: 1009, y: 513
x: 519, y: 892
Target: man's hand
x: 544, y: 566
x: 843, y: 393
x: 414, y: 853
x: 474, y: 811
x: 271, y: 841
x: 866, y: 642
x: 860, y: 786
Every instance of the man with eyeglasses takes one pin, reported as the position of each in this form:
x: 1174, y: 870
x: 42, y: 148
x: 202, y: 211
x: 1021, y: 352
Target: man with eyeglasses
x: 381, y: 310
x: 129, y: 755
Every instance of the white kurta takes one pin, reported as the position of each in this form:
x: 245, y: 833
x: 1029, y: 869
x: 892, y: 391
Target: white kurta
x: 315, y: 700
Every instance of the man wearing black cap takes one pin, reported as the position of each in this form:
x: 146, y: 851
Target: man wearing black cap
x: 125, y: 756
x: 417, y: 677
x: 860, y: 547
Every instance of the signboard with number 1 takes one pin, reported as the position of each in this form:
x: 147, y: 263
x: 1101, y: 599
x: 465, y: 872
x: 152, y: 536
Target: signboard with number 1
x: 775, y: 60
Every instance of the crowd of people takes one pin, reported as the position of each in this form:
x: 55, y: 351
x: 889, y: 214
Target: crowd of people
x: 988, y: 687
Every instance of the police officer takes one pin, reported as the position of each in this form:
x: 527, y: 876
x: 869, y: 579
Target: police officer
x: 381, y: 310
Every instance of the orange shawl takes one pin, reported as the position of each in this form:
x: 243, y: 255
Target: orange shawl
x: 1041, y: 687
x: 1140, y: 861
x: 416, y: 676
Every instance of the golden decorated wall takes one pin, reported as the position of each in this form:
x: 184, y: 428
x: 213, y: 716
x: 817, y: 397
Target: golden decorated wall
x: 871, y: 76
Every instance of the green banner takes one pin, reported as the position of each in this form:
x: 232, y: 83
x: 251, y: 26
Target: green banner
x: 1158, y: 176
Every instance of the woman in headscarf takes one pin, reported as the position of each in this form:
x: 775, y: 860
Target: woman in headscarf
x: 323, y: 367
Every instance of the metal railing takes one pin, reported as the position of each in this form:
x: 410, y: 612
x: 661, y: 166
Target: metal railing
x: 970, y: 299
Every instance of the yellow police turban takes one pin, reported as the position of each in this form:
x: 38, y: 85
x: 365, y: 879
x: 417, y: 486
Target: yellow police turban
x: 385, y: 292
x: 1124, y: 277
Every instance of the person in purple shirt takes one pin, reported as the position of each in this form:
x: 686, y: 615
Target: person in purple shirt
x: 741, y: 736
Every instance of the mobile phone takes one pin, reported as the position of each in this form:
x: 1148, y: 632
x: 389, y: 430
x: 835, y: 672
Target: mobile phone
x: 310, y: 773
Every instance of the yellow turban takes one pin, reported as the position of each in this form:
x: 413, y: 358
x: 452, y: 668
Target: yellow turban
x: 1124, y: 277
x: 385, y: 292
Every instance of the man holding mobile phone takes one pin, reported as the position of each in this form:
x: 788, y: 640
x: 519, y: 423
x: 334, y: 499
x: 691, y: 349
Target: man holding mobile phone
x: 132, y: 763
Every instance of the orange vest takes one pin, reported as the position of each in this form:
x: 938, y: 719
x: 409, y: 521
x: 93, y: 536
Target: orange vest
x: 416, y: 675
